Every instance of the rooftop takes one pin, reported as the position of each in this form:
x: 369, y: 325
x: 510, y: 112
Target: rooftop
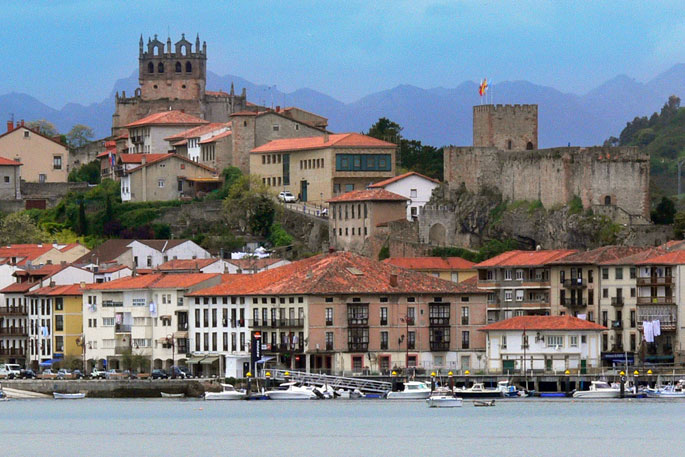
x: 401, y: 177
x: 431, y: 263
x: 341, y: 140
x: 186, y: 264
x: 605, y: 255
x: 154, y: 281
x: 525, y: 258
x: 367, y: 195
x: 174, y: 117
x: 248, y: 264
x: 198, y: 131
x: 543, y: 323
x: 138, y: 158
x: 55, y: 291
x: 669, y: 258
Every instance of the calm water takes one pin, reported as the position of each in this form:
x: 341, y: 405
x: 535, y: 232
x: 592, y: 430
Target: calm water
x: 99, y: 427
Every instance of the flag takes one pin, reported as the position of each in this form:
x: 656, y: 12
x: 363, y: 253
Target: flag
x: 483, y: 87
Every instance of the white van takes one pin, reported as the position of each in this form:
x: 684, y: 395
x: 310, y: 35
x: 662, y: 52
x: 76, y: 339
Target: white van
x: 10, y: 370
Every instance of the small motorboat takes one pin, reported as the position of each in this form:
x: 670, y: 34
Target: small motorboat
x: 599, y: 389
x: 443, y: 398
x: 350, y: 394
x: 292, y: 391
x: 228, y: 393
x: 413, y: 390
x: 61, y: 396
x: 484, y: 403
x: 478, y: 390
x: 509, y: 390
x: 667, y: 391
x: 167, y: 395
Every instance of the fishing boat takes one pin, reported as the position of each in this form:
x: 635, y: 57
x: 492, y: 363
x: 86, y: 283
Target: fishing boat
x: 510, y: 390
x: 667, y: 391
x: 484, y: 403
x: 599, y: 389
x: 443, y: 398
x: 413, y: 390
x: 62, y: 396
x: 228, y: 393
x: 167, y: 395
x: 292, y: 391
x: 477, y: 390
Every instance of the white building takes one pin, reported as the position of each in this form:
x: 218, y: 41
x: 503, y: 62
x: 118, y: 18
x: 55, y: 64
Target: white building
x: 144, y: 316
x: 543, y: 344
x: 412, y: 185
x: 148, y: 135
x: 142, y: 253
x: 191, y: 139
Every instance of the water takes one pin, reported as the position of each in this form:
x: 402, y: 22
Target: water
x: 165, y: 427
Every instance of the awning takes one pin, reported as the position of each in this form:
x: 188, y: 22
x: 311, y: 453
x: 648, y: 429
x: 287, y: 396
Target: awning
x: 208, y: 360
x: 48, y: 363
x: 166, y: 316
x: 195, y: 359
x: 181, y: 335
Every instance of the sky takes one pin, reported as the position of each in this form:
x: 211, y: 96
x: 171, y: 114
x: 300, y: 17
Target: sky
x: 62, y: 51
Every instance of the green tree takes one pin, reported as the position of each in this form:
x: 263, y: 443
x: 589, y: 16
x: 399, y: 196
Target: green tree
x: 20, y: 228
x: 679, y: 225
x: 386, y: 130
x: 82, y: 219
x: 88, y: 172
x: 664, y: 212
x: 43, y: 127
x: 249, y: 207
x: 79, y: 135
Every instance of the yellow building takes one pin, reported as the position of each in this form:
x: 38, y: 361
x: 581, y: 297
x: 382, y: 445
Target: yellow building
x: 66, y: 321
x: 43, y: 159
x: 453, y: 269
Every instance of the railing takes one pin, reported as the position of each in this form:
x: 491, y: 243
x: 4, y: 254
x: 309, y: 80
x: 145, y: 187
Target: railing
x: 329, y: 323
x: 358, y: 347
x: 617, y: 301
x: 13, y: 331
x: 384, y: 345
x: 654, y: 280
x: 112, y: 304
x: 336, y: 382
x: 358, y: 322
x: 329, y: 346
x: 411, y: 345
x: 440, y: 345
x: 655, y: 300
x: 13, y: 351
x: 616, y: 324
x: 464, y: 320
x: 574, y: 283
x: 276, y: 323
x: 13, y: 310
x: 666, y: 324
x: 441, y: 321
x: 121, y: 328
x: 574, y: 303
x: 182, y: 326
x: 285, y: 347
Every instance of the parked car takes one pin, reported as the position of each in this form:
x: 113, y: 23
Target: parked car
x: 115, y: 374
x: 286, y: 197
x: 176, y: 372
x: 47, y: 374
x: 98, y: 374
x: 159, y: 374
x: 10, y: 370
x: 64, y: 373
x: 27, y: 374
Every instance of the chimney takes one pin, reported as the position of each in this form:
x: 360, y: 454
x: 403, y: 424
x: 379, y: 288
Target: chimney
x: 143, y: 160
x: 325, y: 137
x: 10, y: 126
x: 278, y: 108
x: 21, y: 124
x: 393, y: 280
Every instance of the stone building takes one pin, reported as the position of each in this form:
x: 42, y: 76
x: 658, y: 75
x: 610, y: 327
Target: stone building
x: 10, y: 179
x: 43, y: 159
x: 505, y: 157
x: 174, y: 78
x: 148, y: 135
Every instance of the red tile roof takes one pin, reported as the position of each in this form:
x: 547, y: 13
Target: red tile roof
x: 35, y: 132
x: 400, y: 177
x: 525, y: 258
x: 670, y: 258
x: 543, y: 323
x: 335, y: 273
x: 9, y: 162
x: 138, y: 158
x: 367, y: 195
x: 431, y: 263
x: 604, y: 255
x: 254, y: 264
x: 169, y: 156
x: 29, y: 251
x: 341, y: 140
x: 53, y: 291
x: 198, y: 131
x: 18, y: 287
x: 154, y: 281
x: 174, y: 117
x: 186, y: 264
x: 214, y: 138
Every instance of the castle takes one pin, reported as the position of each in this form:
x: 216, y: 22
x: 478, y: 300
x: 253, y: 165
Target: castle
x: 174, y: 78
x: 505, y: 157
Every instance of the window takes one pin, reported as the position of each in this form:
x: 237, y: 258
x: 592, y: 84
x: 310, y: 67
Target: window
x: 465, y: 339
x: 26, y: 134
x: 504, y: 342
x: 329, y: 341
x: 329, y: 316
x: 605, y: 273
x: 632, y: 292
x: 619, y: 273
x: 605, y: 318
x: 384, y: 340
x: 384, y: 315
x: 59, y: 304
x: 519, y: 294
x: 605, y: 293
x: 149, y: 261
x: 189, y: 67
x: 160, y: 68
x: 573, y: 341
x: 519, y: 275
x: 7, y: 179
x: 411, y: 340
x: 276, y: 127
x: 178, y: 68
x: 590, y: 297
x: 555, y: 340
x: 108, y: 322
x: 632, y: 342
x: 160, y: 182
x: 57, y: 162
x: 464, y: 315
x: 590, y: 276
x: 42, y: 178
x: 632, y: 318
x: 507, y: 275
x: 363, y: 162
x: 413, y: 193
x: 59, y: 323
x: 508, y: 295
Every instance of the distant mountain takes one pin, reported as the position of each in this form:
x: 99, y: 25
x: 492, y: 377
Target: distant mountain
x: 437, y: 116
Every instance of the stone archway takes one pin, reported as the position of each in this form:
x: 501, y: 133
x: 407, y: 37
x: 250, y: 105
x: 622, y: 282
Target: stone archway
x: 437, y: 234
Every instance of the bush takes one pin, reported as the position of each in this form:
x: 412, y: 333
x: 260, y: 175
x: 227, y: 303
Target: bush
x: 278, y: 236
x: 664, y: 212
x: 575, y: 206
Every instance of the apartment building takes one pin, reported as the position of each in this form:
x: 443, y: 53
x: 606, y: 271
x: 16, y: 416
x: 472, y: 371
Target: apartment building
x: 146, y: 317
x: 148, y: 134
x: 416, y: 187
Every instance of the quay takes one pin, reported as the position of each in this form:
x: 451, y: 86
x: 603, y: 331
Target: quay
x: 101, y: 388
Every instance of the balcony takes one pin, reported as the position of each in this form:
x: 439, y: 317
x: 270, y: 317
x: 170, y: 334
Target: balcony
x: 655, y: 300
x: 411, y: 345
x: 285, y: 347
x: 667, y: 324
x: 357, y: 347
x: 440, y: 345
x: 464, y: 320
x: 13, y: 331
x: 357, y: 321
x: 575, y: 283
x: 617, y: 301
x: 13, y: 310
x: 574, y: 303
x: 616, y: 325
x: 655, y: 281
x: 384, y: 345
x: 19, y: 352
x: 439, y: 321
x: 121, y: 328
x: 329, y: 345
x: 276, y: 323
x: 112, y: 304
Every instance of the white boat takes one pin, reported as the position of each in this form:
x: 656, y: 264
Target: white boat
x: 167, y: 395
x: 228, y: 393
x: 443, y: 398
x: 413, y: 390
x: 484, y: 403
x: 599, y: 389
x: 350, y: 394
x: 478, y: 390
x: 292, y: 391
x: 509, y: 390
x: 668, y: 391
x: 61, y: 396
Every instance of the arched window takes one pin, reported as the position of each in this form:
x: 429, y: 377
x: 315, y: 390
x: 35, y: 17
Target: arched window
x: 184, y: 50
x: 150, y: 67
x: 156, y: 51
x: 529, y: 145
x: 178, y: 67
x: 607, y: 200
x: 189, y: 67
x: 160, y: 68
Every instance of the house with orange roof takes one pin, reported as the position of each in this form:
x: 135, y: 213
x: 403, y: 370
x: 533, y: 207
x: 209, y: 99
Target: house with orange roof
x: 167, y: 177
x: 146, y: 315
x: 189, y: 142
x: 318, y: 168
x: 453, y: 269
x: 543, y: 344
x: 344, y: 313
x: 43, y: 159
x: 148, y: 135
x: 10, y: 179
x: 519, y: 282
x: 355, y: 217
x: 415, y: 186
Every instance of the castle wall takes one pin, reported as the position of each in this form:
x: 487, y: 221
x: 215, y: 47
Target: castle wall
x: 506, y: 127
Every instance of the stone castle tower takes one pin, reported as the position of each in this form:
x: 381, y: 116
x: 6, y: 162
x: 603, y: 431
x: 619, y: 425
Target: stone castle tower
x: 174, y: 78
x: 506, y: 127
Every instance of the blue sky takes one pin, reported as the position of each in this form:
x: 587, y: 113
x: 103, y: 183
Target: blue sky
x: 68, y: 50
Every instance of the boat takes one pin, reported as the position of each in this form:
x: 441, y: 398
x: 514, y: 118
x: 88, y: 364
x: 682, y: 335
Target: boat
x: 477, y: 390
x: 166, y: 395
x: 484, y: 403
x: 413, y: 390
x: 599, y: 389
x: 61, y: 396
x: 350, y: 394
x: 228, y: 393
x: 292, y: 391
x: 509, y: 390
x: 443, y: 398
x: 667, y: 391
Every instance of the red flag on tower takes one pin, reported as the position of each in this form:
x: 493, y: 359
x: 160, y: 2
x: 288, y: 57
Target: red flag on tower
x: 483, y: 87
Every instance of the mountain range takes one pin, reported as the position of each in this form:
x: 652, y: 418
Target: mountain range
x: 438, y: 116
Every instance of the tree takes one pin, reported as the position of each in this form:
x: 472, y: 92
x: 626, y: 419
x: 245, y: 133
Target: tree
x: 82, y: 220
x: 664, y: 212
x: 249, y: 206
x: 79, y: 135
x: 679, y: 225
x: 386, y: 130
x: 19, y: 228
x: 43, y: 127
x: 88, y: 172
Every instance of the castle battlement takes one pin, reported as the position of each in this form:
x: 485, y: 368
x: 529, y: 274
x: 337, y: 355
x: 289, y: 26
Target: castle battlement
x: 500, y: 108
x: 182, y: 49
